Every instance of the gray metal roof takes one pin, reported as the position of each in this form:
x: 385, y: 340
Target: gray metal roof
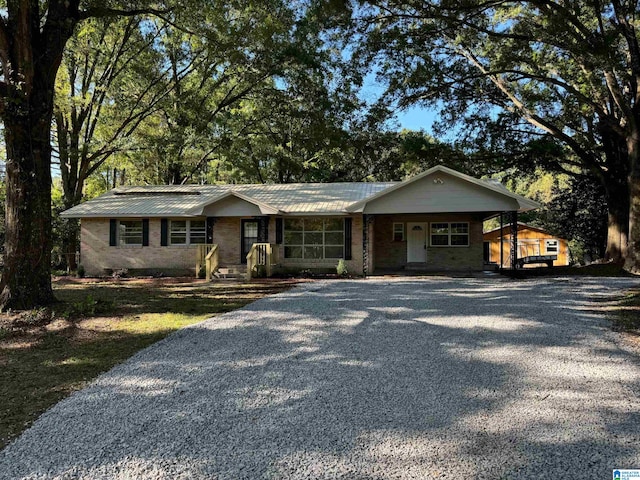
x: 182, y: 200
x: 289, y: 198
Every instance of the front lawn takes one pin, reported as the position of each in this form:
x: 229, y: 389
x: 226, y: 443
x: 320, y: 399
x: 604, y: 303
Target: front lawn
x: 45, y: 355
x: 627, y: 313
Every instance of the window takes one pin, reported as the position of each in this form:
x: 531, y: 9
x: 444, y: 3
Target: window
x: 130, y: 232
x: 398, y: 232
x: 197, y: 231
x: 455, y: 234
x: 314, y: 238
x: 551, y: 246
x: 187, y: 232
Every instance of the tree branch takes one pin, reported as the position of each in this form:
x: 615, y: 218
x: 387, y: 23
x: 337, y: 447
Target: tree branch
x: 102, y: 12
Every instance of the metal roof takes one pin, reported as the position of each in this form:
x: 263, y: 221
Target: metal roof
x: 188, y: 200
x: 287, y: 199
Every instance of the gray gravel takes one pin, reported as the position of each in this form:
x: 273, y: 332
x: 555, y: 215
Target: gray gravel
x: 378, y: 379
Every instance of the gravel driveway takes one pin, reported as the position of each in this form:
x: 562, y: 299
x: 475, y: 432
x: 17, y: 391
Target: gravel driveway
x: 369, y: 379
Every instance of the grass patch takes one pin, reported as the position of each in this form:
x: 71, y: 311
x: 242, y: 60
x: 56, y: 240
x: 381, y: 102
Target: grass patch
x: 627, y: 315
x: 96, y: 325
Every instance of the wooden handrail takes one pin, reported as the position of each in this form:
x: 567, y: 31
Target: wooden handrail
x: 207, y: 256
x: 262, y: 254
x: 212, y: 261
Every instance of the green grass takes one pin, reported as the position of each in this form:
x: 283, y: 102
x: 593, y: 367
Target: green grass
x: 627, y: 314
x: 97, y: 325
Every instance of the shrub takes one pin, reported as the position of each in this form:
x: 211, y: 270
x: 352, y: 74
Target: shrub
x: 307, y: 273
x: 88, y: 307
x: 342, y: 269
x: 202, y: 273
x: 121, y: 273
x: 80, y: 272
x: 261, y: 271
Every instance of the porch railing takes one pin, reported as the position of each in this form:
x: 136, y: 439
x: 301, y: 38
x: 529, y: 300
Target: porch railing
x: 262, y: 256
x: 207, y: 257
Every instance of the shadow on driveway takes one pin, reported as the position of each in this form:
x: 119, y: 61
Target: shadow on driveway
x: 375, y: 379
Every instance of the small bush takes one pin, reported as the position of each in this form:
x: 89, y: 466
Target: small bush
x: 120, y: 273
x: 80, y: 272
x: 261, y: 271
x: 342, y: 269
x: 202, y: 273
x: 88, y: 307
x: 307, y: 273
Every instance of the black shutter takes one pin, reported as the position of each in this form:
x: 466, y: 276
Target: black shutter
x: 210, y: 223
x: 263, y: 229
x: 279, y: 225
x: 145, y: 232
x: 164, y: 232
x: 347, y: 238
x: 113, y: 232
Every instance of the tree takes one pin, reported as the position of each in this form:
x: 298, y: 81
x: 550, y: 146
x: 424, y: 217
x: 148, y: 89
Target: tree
x: 33, y: 36
x: 568, y: 71
x: 110, y: 80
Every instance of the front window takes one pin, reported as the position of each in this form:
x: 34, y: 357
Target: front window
x: 187, y: 232
x: 197, y: 232
x: 398, y: 232
x: 450, y: 234
x: 130, y: 232
x: 314, y: 238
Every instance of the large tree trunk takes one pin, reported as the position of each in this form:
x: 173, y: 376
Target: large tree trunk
x: 614, y: 180
x: 617, y: 194
x: 632, y: 260
x: 26, y: 280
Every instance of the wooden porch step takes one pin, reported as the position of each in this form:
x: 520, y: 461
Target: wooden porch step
x: 231, y: 271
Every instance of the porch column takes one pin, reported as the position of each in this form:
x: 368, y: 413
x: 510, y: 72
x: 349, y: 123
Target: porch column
x: 366, y: 237
x: 514, y: 240
x: 501, y: 240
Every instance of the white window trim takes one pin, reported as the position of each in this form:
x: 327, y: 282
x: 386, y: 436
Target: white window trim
x: 393, y: 232
x: 468, y: 234
x: 119, y: 242
x: 547, y: 241
x: 188, y: 233
x: 303, y: 245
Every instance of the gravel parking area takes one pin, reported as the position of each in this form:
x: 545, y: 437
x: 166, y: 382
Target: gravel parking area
x: 385, y: 378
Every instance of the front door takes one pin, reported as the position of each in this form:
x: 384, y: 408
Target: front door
x: 249, y: 237
x: 416, y: 242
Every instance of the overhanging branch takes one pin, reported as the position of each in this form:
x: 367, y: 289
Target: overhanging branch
x: 102, y: 12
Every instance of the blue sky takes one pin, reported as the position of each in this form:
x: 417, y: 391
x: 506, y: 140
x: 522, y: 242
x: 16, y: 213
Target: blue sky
x: 417, y: 118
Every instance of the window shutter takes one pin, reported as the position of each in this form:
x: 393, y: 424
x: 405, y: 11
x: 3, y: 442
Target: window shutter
x: 279, y: 227
x: 210, y: 222
x: 145, y: 232
x: 164, y: 232
x: 347, y: 238
x: 263, y: 229
x: 113, y: 232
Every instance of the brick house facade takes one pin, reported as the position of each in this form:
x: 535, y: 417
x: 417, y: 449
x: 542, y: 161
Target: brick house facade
x: 430, y: 222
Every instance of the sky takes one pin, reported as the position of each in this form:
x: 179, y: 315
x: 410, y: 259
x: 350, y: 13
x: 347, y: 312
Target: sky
x: 417, y: 118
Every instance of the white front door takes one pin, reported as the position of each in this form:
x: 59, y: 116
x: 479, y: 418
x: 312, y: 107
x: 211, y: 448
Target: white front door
x: 416, y: 242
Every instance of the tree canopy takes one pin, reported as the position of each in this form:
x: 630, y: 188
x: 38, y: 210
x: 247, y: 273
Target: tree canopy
x: 513, y: 73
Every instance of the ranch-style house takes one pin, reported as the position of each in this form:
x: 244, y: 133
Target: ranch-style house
x: 432, y: 221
